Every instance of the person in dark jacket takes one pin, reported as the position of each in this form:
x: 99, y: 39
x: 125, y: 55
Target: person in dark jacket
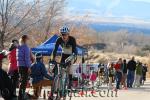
x: 24, y: 64
x: 111, y: 74
x: 13, y: 68
x: 124, y: 65
x: 131, y: 67
x: 38, y: 72
x: 144, y: 71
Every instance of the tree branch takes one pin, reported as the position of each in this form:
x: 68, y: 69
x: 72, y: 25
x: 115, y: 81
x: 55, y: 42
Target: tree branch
x: 23, y: 29
x: 21, y: 20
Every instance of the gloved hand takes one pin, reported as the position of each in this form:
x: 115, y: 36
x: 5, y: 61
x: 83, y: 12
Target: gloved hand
x: 51, y: 78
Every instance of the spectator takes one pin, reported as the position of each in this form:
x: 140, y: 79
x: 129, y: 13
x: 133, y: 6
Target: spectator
x: 13, y: 68
x: 24, y: 64
x: 111, y: 75
x: 83, y: 75
x: 131, y: 66
x: 144, y: 71
x: 101, y: 71
x: 138, y: 74
x: 38, y: 72
x: 106, y: 77
x: 1, y: 58
x: 118, y: 68
x: 99, y: 65
x: 93, y: 77
x: 5, y: 82
x: 124, y: 77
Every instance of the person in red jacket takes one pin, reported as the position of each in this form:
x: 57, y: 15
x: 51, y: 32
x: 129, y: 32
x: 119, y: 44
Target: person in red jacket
x: 12, y: 67
x: 5, y: 82
x: 118, y: 68
x: 93, y: 77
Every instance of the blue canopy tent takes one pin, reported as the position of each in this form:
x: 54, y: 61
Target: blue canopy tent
x: 47, y: 47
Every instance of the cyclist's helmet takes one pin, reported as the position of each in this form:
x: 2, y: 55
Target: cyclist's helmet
x: 38, y: 55
x: 64, y: 30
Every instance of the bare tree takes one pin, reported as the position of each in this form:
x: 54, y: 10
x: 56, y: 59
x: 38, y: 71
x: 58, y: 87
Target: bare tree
x: 21, y: 16
x: 52, y: 11
x: 14, y: 15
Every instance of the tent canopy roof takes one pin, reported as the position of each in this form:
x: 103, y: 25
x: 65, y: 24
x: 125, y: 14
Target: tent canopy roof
x: 47, y: 47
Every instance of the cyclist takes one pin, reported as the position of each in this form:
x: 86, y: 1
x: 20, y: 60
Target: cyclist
x: 68, y: 44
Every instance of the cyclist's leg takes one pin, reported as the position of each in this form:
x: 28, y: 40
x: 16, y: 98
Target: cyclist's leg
x: 64, y: 78
x: 54, y: 84
x: 54, y: 88
x: 70, y: 72
x: 64, y: 82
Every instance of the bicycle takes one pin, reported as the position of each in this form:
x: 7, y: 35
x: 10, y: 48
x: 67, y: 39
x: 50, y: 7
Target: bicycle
x: 61, y: 81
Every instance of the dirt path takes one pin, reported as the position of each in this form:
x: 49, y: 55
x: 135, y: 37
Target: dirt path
x: 142, y: 93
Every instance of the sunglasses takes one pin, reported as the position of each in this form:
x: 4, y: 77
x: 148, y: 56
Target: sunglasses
x: 64, y: 34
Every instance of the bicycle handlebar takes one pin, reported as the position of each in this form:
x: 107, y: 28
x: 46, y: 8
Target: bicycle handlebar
x: 69, y: 59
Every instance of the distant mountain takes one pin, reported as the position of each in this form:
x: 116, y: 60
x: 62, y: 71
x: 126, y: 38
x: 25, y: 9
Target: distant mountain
x: 122, y: 8
x: 106, y: 27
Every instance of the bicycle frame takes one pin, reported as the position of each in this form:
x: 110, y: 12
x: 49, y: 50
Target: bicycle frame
x: 61, y: 79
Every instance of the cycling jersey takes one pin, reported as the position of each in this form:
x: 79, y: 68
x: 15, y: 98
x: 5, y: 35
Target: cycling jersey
x: 68, y: 47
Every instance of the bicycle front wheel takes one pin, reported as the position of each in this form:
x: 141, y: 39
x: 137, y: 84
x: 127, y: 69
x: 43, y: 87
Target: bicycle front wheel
x: 56, y: 88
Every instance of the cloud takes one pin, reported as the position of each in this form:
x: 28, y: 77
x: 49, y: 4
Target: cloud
x: 110, y: 7
x: 146, y: 1
x: 98, y: 19
x: 97, y: 3
x: 120, y: 11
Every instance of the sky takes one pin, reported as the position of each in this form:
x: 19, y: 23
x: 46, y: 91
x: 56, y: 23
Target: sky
x: 133, y: 11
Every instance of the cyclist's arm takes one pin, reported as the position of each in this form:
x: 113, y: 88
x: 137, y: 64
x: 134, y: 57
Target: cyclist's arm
x: 55, y: 49
x: 74, y: 49
x: 74, y: 46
